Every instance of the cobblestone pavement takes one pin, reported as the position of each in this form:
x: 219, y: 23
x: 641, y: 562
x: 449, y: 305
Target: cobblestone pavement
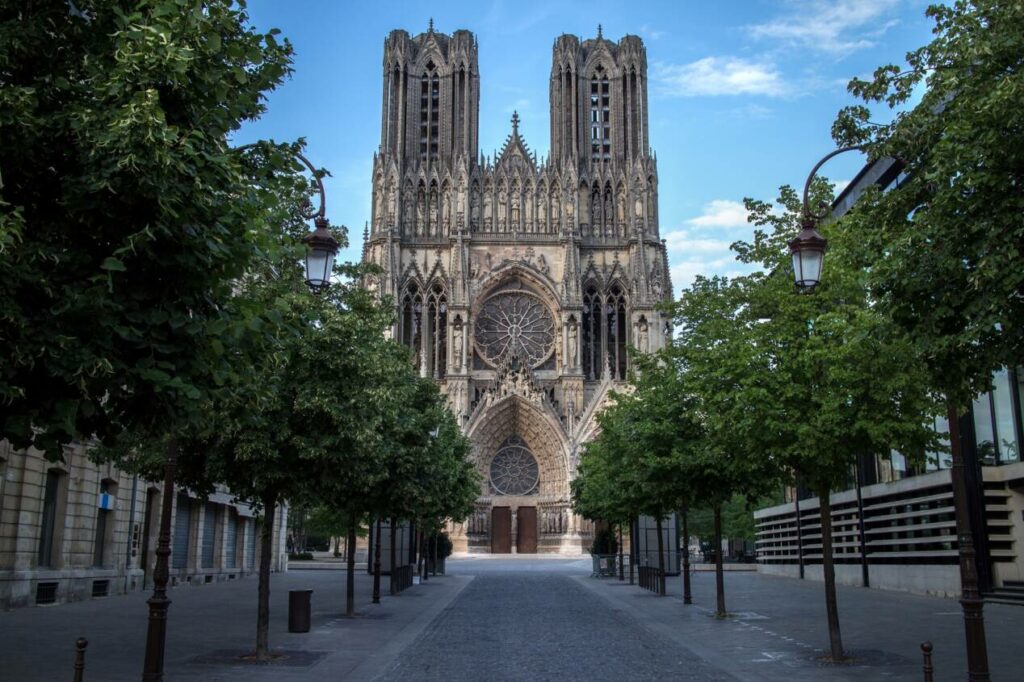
x: 540, y: 625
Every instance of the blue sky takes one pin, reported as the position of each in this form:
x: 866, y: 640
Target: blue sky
x: 742, y: 94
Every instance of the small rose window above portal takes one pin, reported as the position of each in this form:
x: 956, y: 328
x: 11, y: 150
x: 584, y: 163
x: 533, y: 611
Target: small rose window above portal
x: 514, y: 469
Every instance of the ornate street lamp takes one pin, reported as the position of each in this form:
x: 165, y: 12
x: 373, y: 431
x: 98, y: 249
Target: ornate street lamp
x: 321, y: 249
x: 808, y: 248
x: 808, y: 252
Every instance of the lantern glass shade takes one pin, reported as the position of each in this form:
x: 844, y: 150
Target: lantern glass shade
x: 319, y: 265
x: 808, y: 252
x: 807, y: 267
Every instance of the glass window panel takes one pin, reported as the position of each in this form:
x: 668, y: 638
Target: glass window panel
x: 940, y: 459
x: 985, y: 437
x: 899, y: 466
x: 1020, y: 394
x: 1006, y: 432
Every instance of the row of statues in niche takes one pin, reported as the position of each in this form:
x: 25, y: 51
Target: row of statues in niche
x: 434, y: 213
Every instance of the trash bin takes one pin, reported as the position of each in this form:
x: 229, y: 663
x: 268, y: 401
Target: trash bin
x: 298, y: 610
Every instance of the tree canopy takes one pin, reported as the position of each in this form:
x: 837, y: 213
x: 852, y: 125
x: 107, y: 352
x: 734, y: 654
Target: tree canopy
x: 125, y: 217
x: 943, y: 253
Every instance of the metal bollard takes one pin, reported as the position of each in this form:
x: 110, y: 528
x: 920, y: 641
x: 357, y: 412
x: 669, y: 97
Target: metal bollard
x: 926, y: 650
x: 80, y: 645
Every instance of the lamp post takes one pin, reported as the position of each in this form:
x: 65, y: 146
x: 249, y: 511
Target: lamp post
x: 321, y: 249
x: 808, y: 252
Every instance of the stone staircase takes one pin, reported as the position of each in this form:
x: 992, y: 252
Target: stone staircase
x: 1011, y: 592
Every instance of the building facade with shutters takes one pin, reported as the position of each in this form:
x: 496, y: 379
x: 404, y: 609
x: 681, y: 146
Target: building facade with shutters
x: 77, y: 530
x: 519, y: 282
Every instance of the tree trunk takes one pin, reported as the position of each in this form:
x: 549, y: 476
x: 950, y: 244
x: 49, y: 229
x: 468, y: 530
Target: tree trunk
x: 621, y: 576
x: 719, y: 571
x: 376, y: 566
x: 421, y: 555
x: 687, y: 597
x: 433, y: 564
x: 263, y: 588
x: 394, y: 538
x: 350, y: 579
x: 632, y: 550
x: 834, y: 638
x: 661, y: 559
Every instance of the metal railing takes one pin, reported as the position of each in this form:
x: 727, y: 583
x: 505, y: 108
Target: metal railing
x: 652, y: 579
x: 401, y: 578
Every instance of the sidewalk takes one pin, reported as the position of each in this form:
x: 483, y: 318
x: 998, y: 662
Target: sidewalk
x: 208, y: 625
x: 777, y: 629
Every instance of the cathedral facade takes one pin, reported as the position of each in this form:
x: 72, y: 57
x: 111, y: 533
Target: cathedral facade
x: 519, y: 283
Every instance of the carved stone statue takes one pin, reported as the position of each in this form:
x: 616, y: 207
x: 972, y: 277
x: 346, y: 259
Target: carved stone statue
x: 457, y: 347
x: 639, y: 207
x: 642, y: 336
x: 432, y: 228
x: 409, y: 216
x: 573, y: 333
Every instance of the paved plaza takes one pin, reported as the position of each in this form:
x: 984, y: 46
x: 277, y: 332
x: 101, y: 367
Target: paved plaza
x: 514, y: 618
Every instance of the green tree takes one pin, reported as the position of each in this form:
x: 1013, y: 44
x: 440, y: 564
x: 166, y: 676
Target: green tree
x: 125, y: 217
x: 282, y: 433
x: 829, y: 377
x: 714, y: 363
x: 635, y: 464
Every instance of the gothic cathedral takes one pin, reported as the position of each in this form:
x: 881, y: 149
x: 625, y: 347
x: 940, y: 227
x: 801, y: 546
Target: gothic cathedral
x: 519, y: 283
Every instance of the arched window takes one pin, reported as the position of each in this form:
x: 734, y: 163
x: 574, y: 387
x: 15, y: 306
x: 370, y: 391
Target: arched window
x: 592, y: 316
x: 615, y: 313
x: 437, y: 332
x: 600, y: 116
x: 411, y: 321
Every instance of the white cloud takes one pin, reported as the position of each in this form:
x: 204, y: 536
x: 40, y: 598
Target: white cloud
x: 683, y: 241
x: 721, y: 213
x: 684, y: 272
x: 712, y: 76
x: 652, y: 33
x: 836, y: 27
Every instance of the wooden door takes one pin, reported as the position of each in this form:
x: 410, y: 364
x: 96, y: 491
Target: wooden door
x: 501, y: 530
x: 526, y: 530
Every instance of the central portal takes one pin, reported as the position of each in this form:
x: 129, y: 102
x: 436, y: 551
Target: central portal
x: 526, y: 530
x: 501, y: 530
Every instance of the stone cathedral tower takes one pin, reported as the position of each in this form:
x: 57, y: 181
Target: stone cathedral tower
x: 519, y: 283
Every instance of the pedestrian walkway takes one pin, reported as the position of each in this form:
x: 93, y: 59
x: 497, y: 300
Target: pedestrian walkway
x: 776, y: 630
x: 542, y: 626
x: 209, y: 625
x: 512, y: 618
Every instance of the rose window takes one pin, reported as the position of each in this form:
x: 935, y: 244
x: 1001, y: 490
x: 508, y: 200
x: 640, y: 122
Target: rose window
x: 514, y: 469
x: 516, y: 322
